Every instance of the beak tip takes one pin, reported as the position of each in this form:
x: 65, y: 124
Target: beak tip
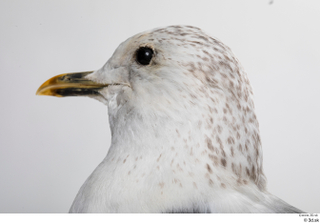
x: 40, y: 91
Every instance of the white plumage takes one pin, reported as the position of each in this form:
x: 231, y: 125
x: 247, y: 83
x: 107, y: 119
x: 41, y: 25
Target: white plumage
x: 185, y: 137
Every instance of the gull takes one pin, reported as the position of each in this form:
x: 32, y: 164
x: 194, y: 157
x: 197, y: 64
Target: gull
x: 185, y: 136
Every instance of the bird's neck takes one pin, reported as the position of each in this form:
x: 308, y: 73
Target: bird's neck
x: 222, y: 140
x: 136, y: 133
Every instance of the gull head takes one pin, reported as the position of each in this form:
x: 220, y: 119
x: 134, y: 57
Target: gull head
x: 176, y: 67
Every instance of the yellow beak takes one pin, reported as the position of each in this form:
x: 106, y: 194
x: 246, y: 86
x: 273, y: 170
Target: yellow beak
x: 70, y: 84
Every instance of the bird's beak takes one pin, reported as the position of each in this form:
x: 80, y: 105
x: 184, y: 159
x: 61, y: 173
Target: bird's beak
x: 70, y: 84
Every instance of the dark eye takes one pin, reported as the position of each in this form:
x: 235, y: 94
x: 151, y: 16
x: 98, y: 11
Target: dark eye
x: 144, y: 55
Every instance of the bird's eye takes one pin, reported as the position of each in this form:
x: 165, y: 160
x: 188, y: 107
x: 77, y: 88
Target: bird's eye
x: 144, y: 55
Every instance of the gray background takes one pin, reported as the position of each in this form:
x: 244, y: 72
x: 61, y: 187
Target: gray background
x: 49, y: 146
